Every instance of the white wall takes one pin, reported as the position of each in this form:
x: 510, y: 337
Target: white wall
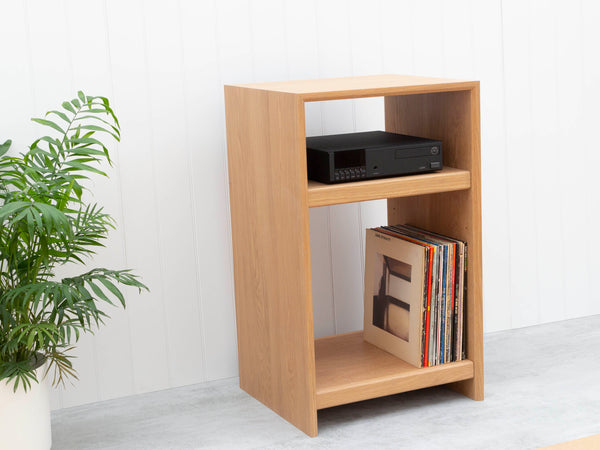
x: 163, y: 65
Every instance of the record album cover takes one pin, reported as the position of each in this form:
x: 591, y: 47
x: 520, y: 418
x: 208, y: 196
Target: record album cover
x: 395, y: 291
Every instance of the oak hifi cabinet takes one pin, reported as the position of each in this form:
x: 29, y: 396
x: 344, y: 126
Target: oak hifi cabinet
x: 280, y: 362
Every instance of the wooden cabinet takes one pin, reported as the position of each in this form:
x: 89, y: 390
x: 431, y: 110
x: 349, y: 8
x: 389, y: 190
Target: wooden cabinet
x: 280, y: 362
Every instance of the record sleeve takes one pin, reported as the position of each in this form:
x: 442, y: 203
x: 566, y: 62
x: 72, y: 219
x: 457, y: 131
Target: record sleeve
x: 395, y: 271
x: 429, y: 291
x: 460, y: 288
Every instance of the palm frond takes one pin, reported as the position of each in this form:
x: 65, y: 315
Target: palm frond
x: 45, y: 223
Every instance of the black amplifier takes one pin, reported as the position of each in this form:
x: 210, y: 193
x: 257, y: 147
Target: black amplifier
x: 373, y: 154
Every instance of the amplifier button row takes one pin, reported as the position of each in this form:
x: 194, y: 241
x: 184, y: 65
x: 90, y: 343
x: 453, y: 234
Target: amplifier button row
x: 352, y: 173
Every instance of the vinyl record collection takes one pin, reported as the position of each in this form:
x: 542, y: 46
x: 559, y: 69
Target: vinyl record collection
x: 415, y: 289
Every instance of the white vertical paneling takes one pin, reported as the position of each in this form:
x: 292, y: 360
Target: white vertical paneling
x: 206, y: 152
x: 365, y: 37
x: 429, y: 39
x: 268, y: 40
x: 301, y: 39
x: 335, y: 59
x: 112, y: 344
x: 486, y: 41
x: 457, y: 39
x: 369, y: 114
x: 148, y: 333
x: 163, y: 66
x: 302, y: 61
x: 50, y: 55
x: 590, y: 12
x: 573, y: 202
x: 548, y: 161
x: 234, y: 37
x: 524, y: 303
x: 235, y: 64
x: 174, y: 202
x: 398, y: 36
x: 367, y: 58
x: 16, y: 92
x: 321, y: 273
x: 52, y: 65
x: 346, y: 267
x: 397, y: 41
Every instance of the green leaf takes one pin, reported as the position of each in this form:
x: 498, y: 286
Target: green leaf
x: 86, y: 140
x: 98, y: 128
x: 76, y: 165
x: 115, y: 128
x: 95, y: 110
x: 99, y: 292
x: 9, y: 208
x: 77, y: 188
x: 49, y: 123
x: 87, y: 151
x: 4, y: 147
x: 68, y: 107
x: 62, y: 115
x: 113, y: 289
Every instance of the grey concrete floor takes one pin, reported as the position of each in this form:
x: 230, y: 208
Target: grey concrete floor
x: 542, y: 387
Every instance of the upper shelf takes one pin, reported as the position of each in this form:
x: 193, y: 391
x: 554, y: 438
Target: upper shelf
x: 363, y: 86
x: 447, y: 179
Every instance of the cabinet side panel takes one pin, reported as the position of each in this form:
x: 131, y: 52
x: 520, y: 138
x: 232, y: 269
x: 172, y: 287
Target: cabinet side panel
x: 269, y: 220
x: 452, y: 117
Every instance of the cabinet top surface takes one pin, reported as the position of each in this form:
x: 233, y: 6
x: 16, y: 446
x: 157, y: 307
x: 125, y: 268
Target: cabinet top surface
x: 362, y: 86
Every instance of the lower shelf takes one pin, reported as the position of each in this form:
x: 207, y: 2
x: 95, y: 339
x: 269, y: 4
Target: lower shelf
x: 350, y: 370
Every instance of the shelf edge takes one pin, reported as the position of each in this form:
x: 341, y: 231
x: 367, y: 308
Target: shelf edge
x: 449, y: 179
x: 403, y: 382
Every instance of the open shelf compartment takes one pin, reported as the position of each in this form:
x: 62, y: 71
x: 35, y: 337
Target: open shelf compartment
x: 350, y: 370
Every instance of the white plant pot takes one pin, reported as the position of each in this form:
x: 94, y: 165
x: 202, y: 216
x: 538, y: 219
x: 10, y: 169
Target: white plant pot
x: 25, y: 416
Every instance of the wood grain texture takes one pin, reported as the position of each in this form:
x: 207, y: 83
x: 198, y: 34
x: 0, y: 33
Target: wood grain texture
x: 361, y: 86
x: 448, y: 179
x: 452, y: 117
x: 269, y: 220
x: 350, y: 370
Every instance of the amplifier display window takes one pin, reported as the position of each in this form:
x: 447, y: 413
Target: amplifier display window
x: 349, y: 158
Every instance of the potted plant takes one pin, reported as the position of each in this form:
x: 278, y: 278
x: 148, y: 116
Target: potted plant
x: 47, y: 220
